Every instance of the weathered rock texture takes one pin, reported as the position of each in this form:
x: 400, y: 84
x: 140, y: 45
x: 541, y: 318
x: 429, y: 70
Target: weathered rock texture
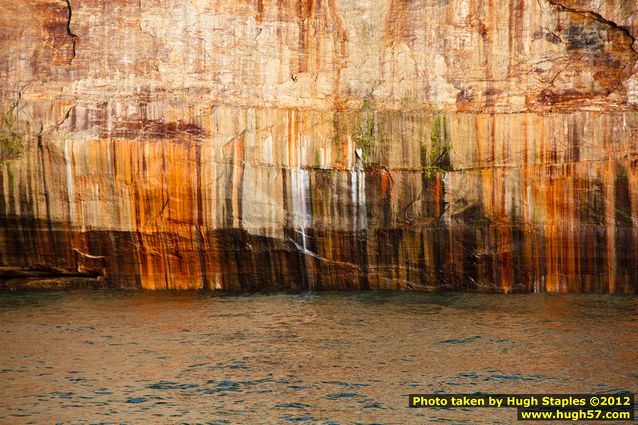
x: 327, y: 144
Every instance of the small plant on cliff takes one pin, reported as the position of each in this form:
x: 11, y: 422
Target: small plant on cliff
x: 438, y: 161
x: 365, y: 138
x: 12, y: 139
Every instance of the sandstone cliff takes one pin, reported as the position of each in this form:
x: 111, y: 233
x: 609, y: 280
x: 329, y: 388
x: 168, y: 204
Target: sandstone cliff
x: 326, y: 144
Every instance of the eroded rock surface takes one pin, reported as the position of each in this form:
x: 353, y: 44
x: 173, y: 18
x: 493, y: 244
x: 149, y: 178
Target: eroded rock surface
x: 333, y: 144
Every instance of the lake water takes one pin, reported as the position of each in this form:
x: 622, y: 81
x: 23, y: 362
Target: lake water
x: 339, y: 358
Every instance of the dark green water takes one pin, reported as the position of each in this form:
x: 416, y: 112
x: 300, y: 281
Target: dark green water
x: 340, y: 358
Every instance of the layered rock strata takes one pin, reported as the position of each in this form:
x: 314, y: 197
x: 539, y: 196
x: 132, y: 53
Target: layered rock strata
x: 327, y: 144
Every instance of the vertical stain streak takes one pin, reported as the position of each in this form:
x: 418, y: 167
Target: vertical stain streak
x: 199, y: 237
x: 610, y: 215
x: 70, y: 190
x: 260, y: 11
x: 69, y: 32
x: 45, y: 191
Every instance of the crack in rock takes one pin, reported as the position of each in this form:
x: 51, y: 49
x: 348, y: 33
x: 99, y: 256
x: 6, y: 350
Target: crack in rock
x: 598, y: 17
x: 68, y: 30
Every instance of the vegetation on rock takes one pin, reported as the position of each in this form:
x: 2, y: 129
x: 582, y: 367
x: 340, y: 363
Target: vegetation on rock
x: 365, y: 138
x: 12, y: 138
x: 438, y: 160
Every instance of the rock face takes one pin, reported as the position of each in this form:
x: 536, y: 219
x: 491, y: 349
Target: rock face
x: 324, y: 144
